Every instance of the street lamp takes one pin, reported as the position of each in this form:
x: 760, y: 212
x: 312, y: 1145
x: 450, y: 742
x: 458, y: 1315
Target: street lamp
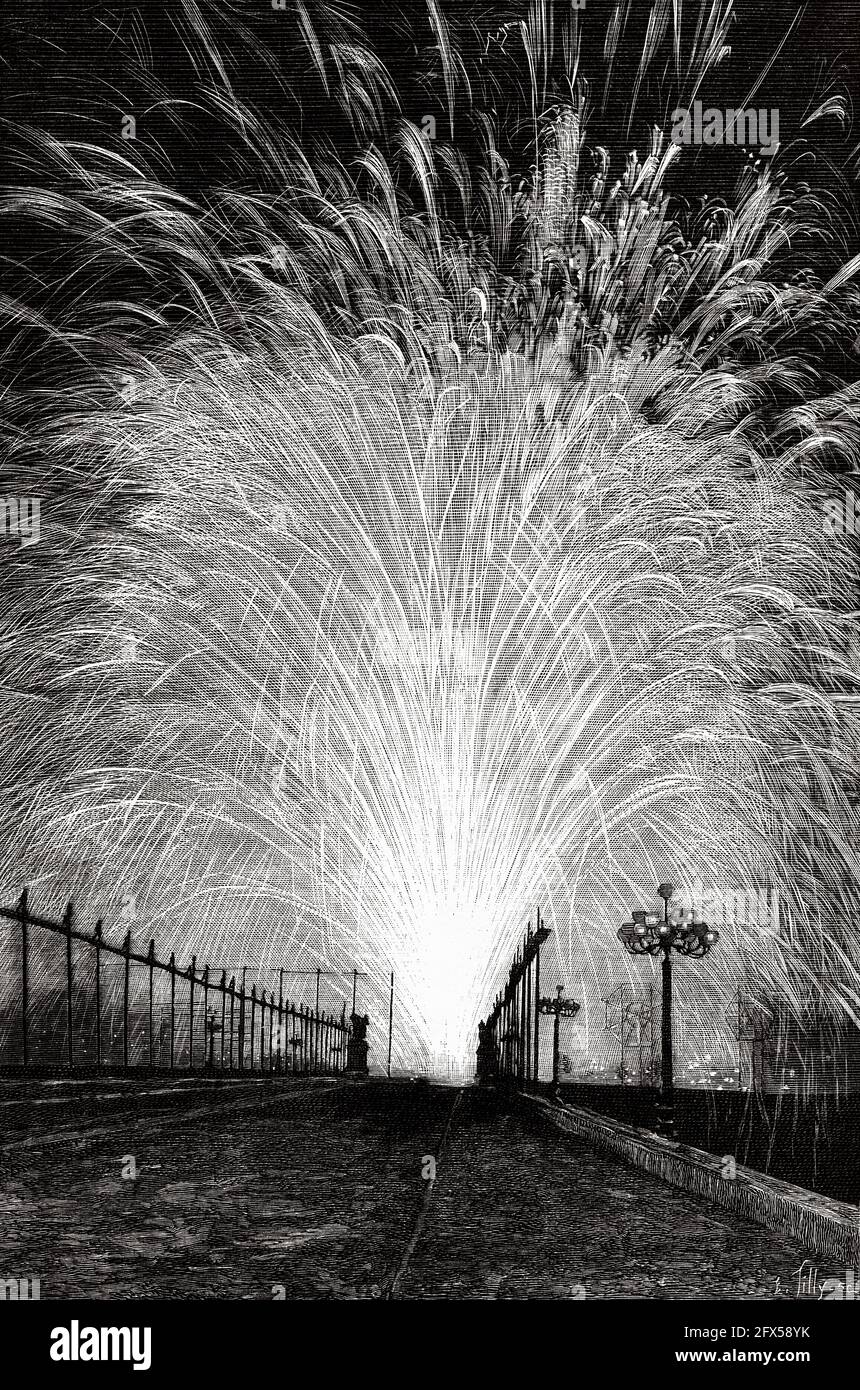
x: 559, y: 1008
x: 650, y: 934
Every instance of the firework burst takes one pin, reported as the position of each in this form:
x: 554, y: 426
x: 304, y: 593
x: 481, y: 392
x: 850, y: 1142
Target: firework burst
x: 403, y: 572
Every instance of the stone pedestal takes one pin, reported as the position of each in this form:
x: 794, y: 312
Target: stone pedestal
x: 357, y: 1047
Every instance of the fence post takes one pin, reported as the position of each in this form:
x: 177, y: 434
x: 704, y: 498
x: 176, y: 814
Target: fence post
x: 223, y: 1012
x: 232, y: 1014
x: 515, y: 1042
x: 25, y: 978
x: 517, y: 1020
x: 172, y: 1007
x: 271, y: 1026
x: 253, y: 1006
x: 537, y: 1010
x: 515, y: 1013
x: 241, y: 1039
x: 192, y: 972
x: 506, y: 1039
x: 280, y: 1020
x: 208, y: 1044
x: 68, y: 919
x: 97, y: 935
x: 523, y: 1034
x: 503, y: 1038
x: 527, y: 1014
x: 151, y: 957
x: 127, y: 950
x: 262, y: 1032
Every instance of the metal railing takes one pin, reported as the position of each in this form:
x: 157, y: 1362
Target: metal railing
x: 509, y: 1038
x: 223, y: 1028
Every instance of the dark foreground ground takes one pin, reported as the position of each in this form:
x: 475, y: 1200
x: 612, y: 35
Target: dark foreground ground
x: 318, y: 1189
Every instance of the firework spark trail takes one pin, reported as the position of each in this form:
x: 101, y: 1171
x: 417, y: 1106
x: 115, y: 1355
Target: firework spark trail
x: 430, y: 663
x: 348, y: 640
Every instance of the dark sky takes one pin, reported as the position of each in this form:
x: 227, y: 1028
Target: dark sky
x: 62, y: 61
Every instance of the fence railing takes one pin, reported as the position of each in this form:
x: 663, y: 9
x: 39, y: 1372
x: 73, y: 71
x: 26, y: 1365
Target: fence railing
x: 223, y: 1027
x: 509, y: 1038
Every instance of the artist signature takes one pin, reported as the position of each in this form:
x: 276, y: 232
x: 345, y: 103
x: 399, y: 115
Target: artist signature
x: 833, y: 1287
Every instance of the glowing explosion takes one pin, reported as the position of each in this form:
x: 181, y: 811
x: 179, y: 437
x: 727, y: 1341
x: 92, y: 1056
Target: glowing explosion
x: 386, y: 591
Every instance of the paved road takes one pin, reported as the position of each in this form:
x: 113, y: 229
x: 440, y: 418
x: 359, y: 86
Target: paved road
x: 319, y: 1189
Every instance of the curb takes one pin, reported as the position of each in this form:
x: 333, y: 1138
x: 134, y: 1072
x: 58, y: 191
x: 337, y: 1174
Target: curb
x: 824, y: 1226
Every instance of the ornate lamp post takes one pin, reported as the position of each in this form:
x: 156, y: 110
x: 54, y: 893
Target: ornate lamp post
x: 650, y: 934
x: 559, y: 1008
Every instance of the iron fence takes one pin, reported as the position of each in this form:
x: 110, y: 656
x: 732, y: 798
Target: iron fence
x: 509, y: 1038
x: 206, y: 1023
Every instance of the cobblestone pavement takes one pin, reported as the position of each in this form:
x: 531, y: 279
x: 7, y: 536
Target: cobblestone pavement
x: 520, y: 1212
x: 318, y: 1189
